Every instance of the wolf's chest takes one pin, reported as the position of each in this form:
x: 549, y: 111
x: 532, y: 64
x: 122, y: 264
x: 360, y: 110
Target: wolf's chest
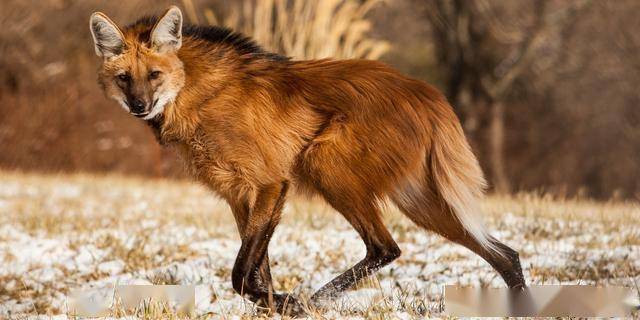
x: 206, y: 163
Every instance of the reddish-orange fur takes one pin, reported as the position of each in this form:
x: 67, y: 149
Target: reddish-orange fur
x: 354, y: 132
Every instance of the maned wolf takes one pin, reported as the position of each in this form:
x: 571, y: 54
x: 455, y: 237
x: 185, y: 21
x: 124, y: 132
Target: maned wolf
x: 252, y: 124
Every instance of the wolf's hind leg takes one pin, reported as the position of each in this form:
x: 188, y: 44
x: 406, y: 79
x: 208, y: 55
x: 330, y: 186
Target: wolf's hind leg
x: 424, y: 206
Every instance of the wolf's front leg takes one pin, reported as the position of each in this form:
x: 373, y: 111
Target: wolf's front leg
x: 241, y: 210
x: 249, y: 276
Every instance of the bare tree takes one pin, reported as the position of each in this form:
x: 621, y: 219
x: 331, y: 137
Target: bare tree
x: 481, y: 58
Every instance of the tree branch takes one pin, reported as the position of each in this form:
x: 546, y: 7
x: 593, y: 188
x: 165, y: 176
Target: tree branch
x: 525, y: 53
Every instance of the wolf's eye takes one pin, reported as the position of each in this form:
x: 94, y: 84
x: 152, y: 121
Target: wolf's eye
x: 154, y: 74
x: 124, y: 77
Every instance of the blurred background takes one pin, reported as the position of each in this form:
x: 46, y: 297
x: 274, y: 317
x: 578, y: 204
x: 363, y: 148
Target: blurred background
x: 547, y: 90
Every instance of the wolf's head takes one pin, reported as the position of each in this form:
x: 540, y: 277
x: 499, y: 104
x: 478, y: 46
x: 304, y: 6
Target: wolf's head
x: 141, y: 69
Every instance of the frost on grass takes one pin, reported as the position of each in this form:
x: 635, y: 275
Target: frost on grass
x: 64, y: 233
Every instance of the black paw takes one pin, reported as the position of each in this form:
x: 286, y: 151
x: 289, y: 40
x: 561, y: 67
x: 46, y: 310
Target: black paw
x: 283, y: 304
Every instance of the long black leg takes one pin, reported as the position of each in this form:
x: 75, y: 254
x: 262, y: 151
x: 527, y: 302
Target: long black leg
x: 252, y: 260
x: 381, y: 249
x: 241, y: 212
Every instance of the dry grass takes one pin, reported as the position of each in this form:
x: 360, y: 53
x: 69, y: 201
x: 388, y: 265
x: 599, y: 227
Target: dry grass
x: 548, y: 206
x: 303, y: 29
x: 64, y: 232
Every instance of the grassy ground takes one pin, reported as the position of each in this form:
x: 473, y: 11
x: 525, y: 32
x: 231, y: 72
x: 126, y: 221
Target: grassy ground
x: 61, y: 233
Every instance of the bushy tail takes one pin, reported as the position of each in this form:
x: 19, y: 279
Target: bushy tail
x: 459, y: 179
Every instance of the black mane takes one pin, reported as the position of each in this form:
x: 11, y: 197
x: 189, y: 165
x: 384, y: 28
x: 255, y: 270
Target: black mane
x: 242, y: 44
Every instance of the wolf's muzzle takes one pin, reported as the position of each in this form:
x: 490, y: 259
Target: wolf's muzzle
x: 138, y: 106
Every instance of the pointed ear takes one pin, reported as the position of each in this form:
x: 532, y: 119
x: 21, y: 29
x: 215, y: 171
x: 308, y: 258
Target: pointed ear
x: 107, y: 37
x: 166, y: 35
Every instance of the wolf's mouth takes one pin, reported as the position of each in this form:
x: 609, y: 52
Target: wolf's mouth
x: 144, y: 114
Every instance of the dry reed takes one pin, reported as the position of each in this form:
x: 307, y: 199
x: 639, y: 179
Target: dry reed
x: 303, y: 29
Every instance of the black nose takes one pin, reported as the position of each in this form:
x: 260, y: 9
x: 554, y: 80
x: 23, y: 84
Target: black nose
x: 137, y: 105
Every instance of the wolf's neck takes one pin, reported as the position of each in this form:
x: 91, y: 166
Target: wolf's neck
x: 211, y: 69
x: 156, y: 127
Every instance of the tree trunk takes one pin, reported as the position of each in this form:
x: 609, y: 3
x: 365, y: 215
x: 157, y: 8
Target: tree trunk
x: 496, y: 148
